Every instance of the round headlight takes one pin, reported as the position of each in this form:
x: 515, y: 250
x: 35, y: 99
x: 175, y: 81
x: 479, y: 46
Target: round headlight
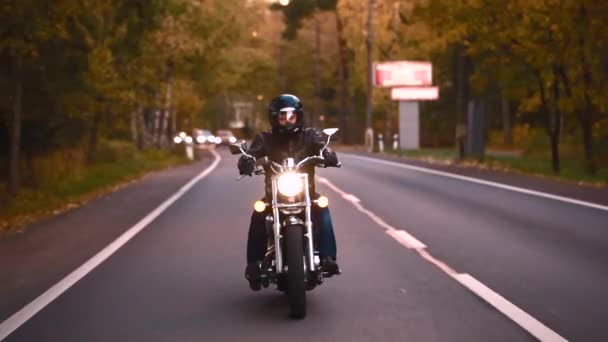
x: 290, y: 184
x: 177, y: 140
x: 232, y: 140
x: 201, y: 139
x: 188, y: 140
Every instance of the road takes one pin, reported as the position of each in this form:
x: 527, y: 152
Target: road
x: 181, y: 277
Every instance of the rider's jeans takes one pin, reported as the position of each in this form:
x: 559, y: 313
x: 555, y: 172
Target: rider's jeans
x: 323, y: 234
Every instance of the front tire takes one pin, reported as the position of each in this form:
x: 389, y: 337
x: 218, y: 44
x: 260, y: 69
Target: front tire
x: 296, y: 286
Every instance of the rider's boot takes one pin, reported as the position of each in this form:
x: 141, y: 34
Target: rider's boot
x: 253, y: 274
x: 330, y: 266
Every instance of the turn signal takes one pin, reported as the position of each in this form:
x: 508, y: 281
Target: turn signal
x: 323, y: 202
x: 259, y: 206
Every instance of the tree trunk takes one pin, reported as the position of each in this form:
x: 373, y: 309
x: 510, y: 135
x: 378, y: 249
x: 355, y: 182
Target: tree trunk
x: 15, y: 133
x: 93, y: 138
x: 144, y: 134
x: 590, y: 163
x: 555, y: 163
x: 369, y: 44
x: 173, y: 125
x: 585, y: 119
x: 134, y: 134
x: 156, y: 121
x: 163, y: 133
x: 506, y: 120
x: 31, y: 173
x: 343, y: 63
x: 552, y: 117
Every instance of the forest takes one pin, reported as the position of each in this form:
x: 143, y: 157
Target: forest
x: 85, y: 79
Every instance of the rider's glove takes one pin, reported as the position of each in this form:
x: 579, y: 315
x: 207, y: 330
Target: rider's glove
x: 331, y: 160
x: 246, y: 165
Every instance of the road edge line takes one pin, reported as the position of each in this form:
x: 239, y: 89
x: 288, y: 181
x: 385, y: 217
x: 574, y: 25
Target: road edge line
x: 483, y: 182
x: 19, y: 318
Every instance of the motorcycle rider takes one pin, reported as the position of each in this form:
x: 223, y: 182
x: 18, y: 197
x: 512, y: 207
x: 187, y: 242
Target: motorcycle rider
x: 288, y: 138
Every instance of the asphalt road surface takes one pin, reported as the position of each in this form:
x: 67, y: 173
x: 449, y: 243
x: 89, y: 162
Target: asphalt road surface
x: 478, y: 263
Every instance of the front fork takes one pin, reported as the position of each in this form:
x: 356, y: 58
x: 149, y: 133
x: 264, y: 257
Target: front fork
x: 308, y: 224
x: 276, y: 225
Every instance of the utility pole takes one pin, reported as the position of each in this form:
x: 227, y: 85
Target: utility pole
x: 462, y: 100
x: 343, y: 73
x: 317, y: 69
x: 369, y: 44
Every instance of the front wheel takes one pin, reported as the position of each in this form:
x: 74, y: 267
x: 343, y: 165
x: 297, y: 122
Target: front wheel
x: 296, y: 289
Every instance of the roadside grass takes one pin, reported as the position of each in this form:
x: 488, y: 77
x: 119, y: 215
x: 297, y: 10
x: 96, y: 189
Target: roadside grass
x: 538, y: 164
x: 58, y: 194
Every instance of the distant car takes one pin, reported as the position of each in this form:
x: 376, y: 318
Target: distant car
x: 225, y: 137
x: 203, y: 137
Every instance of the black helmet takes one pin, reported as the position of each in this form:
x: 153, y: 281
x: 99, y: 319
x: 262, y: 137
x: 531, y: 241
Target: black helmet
x: 289, y: 105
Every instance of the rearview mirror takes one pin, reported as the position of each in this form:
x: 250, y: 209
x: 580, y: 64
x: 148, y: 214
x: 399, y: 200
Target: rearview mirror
x: 238, y: 147
x: 330, y: 131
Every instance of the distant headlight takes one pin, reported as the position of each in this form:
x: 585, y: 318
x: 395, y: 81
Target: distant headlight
x: 188, y: 140
x: 290, y: 184
x: 232, y: 140
x: 201, y: 139
x: 177, y: 140
x: 218, y: 140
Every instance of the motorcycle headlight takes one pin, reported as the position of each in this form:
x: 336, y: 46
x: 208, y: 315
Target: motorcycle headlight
x: 290, y: 184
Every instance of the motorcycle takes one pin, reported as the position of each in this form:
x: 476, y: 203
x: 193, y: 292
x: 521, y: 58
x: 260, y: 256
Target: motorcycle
x: 291, y: 262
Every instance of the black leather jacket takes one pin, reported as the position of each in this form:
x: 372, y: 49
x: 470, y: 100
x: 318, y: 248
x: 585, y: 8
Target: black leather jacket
x: 278, y: 147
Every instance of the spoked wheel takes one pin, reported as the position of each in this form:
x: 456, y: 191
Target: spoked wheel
x: 296, y: 287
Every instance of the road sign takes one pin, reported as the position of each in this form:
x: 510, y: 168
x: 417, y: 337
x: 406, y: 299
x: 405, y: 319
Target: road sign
x: 415, y: 93
x: 403, y: 73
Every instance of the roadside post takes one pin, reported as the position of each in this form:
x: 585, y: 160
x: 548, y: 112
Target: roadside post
x: 395, y: 141
x: 189, y: 147
x: 410, y: 82
x: 182, y: 137
x: 380, y: 143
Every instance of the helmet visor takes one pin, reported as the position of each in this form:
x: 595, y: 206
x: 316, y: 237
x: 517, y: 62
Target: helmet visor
x: 287, y: 116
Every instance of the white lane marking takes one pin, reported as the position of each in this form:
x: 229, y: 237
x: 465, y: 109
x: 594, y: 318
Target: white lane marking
x: 442, y: 265
x: 522, y: 318
x: 351, y: 198
x: 406, y: 239
x: 531, y: 324
x: 27, y: 312
x: 483, y: 182
x: 400, y: 235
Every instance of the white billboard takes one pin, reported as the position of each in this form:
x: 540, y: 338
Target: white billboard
x: 403, y: 73
x: 415, y: 93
